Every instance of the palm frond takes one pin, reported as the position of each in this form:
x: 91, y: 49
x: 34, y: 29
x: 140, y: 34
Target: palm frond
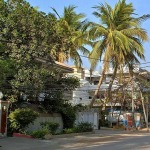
x: 142, y: 18
x: 83, y: 50
x: 138, y: 32
x: 55, y: 11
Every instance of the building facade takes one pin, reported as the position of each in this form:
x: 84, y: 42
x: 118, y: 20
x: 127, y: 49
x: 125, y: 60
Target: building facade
x: 122, y: 85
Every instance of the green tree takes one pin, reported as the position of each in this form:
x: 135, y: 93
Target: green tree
x: 118, y: 38
x: 27, y: 34
x: 73, y: 23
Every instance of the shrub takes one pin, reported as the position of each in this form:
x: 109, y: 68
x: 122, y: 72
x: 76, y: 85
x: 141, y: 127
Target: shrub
x: 68, y: 113
x: 21, y: 118
x: 50, y: 126
x: 104, y: 123
x: 24, y: 132
x: 120, y: 126
x: 84, y: 127
x: 39, y: 133
x: 67, y: 131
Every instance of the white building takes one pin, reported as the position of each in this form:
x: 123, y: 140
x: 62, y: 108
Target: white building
x: 83, y: 95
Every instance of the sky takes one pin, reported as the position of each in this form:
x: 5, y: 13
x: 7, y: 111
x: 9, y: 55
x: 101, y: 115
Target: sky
x: 85, y: 6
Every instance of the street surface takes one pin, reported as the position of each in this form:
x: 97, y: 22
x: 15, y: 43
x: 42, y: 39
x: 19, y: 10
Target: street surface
x: 102, y: 140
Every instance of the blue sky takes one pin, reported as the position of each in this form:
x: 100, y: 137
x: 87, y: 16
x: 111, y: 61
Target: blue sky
x: 85, y: 6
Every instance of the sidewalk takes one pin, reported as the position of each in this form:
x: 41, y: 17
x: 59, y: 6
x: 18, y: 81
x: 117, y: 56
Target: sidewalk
x: 144, y: 129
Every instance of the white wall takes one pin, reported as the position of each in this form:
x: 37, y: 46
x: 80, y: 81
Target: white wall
x: 91, y: 116
x: 46, y: 117
x: 81, y: 95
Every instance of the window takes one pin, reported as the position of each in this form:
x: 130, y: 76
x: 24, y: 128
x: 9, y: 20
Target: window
x: 81, y: 99
x: 96, y: 82
x: 98, y: 96
x: 102, y: 96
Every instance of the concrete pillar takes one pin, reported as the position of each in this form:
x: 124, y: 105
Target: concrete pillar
x: 3, y: 107
x: 0, y: 116
x: 95, y: 120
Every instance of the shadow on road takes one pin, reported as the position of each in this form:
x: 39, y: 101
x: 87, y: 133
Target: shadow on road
x: 99, y: 141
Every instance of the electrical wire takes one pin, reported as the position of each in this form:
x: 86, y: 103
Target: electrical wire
x: 109, y: 61
x: 57, y: 90
x: 145, y: 67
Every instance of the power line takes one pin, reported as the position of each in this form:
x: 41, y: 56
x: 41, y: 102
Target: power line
x: 56, y: 89
x: 111, y: 61
x: 106, y: 60
x: 92, y: 73
x: 145, y: 67
x: 76, y: 73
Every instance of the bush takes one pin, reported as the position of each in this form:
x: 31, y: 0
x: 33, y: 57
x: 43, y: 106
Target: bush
x: 120, y: 126
x: 68, y: 113
x: 84, y: 127
x: 25, y: 132
x: 67, y: 131
x: 39, y: 133
x: 21, y: 118
x: 50, y: 126
x: 104, y: 123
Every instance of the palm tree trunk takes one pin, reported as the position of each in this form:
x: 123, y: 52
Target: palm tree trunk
x: 132, y: 85
x: 111, y: 83
x: 144, y: 110
x: 98, y: 87
x: 90, y: 77
x: 121, y: 104
x: 119, y: 114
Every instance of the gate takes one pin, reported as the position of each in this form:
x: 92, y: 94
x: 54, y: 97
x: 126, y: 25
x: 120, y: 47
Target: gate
x: 91, y: 117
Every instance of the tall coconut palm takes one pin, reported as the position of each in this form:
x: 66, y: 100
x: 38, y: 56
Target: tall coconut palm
x: 118, y: 37
x: 73, y: 23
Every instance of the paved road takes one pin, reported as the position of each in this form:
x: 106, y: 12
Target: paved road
x: 102, y: 140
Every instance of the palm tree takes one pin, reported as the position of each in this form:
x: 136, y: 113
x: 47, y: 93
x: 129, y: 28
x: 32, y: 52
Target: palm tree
x: 118, y: 38
x: 73, y: 23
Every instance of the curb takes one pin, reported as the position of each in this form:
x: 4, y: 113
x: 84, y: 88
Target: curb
x: 105, y: 128
x: 71, y: 135
x: 23, y: 135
